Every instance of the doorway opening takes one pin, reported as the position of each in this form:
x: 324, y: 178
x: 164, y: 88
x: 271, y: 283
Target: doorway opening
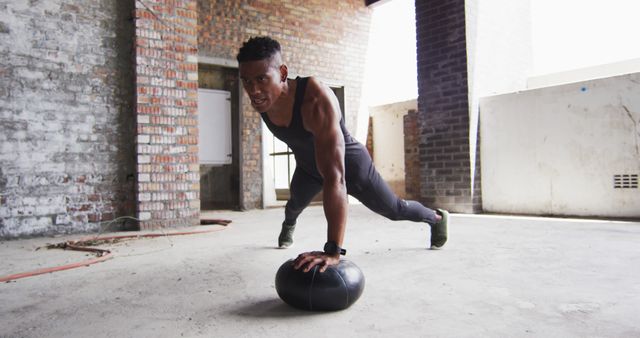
x: 218, y: 123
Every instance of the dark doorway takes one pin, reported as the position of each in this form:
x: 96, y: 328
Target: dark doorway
x: 220, y: 183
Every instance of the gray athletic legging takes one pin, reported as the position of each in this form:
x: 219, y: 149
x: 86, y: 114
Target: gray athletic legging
x: 365, y: 184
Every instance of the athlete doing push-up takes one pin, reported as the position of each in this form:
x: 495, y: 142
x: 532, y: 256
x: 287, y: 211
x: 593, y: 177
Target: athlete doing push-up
x: 305, y: 114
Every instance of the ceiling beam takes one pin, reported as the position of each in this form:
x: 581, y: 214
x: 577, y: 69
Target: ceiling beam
x: 370, y: 2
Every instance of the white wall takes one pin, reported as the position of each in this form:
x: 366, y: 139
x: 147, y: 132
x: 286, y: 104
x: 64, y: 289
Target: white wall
x: 499, y: 54
x: 499, y: 47
x: 555, y: 150
x: 388, y: 142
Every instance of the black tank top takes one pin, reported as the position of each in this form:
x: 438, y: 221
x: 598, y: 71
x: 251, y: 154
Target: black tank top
x: 300, y: 140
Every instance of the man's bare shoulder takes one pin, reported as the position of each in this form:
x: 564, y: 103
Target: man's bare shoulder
x: 316, y: 91
x: 318, y: 107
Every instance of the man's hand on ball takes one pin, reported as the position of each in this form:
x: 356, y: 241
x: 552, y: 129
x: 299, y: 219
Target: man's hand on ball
x: 310, y: 259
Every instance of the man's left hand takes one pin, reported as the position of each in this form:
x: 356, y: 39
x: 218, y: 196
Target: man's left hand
x: 310, y: 259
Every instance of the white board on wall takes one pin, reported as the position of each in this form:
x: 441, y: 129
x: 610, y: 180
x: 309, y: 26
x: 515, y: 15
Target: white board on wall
x: 214, y: 122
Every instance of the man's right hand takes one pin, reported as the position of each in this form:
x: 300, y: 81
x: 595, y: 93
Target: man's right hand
x: 307, y: 260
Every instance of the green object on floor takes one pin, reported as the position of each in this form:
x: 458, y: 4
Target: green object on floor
x: 439, y: 231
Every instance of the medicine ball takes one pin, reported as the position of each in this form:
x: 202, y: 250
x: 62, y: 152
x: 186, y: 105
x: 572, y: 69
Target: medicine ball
x: 335, y: 289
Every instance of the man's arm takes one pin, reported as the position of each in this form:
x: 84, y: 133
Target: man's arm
x: 323, y: 121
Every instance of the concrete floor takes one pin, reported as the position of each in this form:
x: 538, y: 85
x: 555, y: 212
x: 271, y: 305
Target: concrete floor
x: 497, y: 277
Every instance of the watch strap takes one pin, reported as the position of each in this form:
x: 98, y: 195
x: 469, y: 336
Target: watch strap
x: 333, y: 248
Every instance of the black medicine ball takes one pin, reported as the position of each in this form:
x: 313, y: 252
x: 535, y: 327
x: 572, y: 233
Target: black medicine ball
x: 335, y: 289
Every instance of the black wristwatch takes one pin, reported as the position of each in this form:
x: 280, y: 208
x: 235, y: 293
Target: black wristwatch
x: 332, y: 248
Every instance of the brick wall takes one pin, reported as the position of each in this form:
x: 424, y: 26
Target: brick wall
x: 82, y: 123
x: 443, y: 106
x: 166, y: 104
x: 327, y: 39
x: 66, y: 121
x: 411, y: 155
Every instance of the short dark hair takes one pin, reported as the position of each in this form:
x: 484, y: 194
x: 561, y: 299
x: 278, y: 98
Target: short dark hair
x: 258, y: 48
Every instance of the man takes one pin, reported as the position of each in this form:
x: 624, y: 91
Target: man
x: 305, y: 114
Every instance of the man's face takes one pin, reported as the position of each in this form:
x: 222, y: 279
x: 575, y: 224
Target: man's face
x: 262, y: 80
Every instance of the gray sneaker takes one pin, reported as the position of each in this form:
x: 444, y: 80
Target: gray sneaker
x: 439, y: 230
x: 285, y: 239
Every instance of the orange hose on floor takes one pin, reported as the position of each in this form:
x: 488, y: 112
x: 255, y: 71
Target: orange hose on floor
x: 56, y: 268
x: 103, y: 254
x: 152, y: 235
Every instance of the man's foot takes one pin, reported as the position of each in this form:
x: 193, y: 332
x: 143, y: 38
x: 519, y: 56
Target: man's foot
x: 285, y: 239
x: 439, y: 230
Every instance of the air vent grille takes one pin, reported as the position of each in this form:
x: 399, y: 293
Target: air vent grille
x: 625, y: 181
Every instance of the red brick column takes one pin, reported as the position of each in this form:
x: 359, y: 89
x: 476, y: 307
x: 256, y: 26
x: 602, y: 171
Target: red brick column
x: 443, y: 106
x: 168, y: 176
x: 411, y: 155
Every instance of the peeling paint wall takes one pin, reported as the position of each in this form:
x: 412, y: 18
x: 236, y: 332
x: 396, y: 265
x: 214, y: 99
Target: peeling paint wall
x: 563, y: 150
x: 67, y: 126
